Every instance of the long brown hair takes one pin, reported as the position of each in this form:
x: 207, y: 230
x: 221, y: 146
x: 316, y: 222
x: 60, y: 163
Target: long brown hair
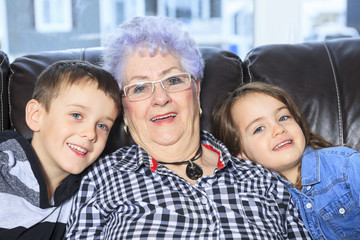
x: 226, y: 130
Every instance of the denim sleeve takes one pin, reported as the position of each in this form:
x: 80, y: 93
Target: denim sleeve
x: 353, y: 176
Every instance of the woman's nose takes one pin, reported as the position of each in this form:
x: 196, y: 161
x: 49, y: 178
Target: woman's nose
x: 160, y: 96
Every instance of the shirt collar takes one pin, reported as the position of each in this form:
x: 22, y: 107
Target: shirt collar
x: 134, y: 157
x: 310, y: 167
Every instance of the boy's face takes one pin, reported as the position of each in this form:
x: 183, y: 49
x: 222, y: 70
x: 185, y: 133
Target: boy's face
x: 269, y: 134
x: 73, y: 133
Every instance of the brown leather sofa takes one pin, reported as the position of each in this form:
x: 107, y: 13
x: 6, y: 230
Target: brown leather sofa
x: 324, y: 79
x: 223, y: 73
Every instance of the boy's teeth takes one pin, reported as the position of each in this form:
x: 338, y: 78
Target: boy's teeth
x: 282, y: 144
x: 77, y: 148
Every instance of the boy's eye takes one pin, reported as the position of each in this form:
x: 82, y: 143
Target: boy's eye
x: 259, y: 129
x: 102, y: 126
x: 283, y: 118
x: 76, y: 115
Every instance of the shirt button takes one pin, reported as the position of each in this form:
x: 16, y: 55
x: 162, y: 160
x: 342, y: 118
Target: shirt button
x: 308, y: 188
x: 341, y: 210
x: 204, y: 201
x: 308, y: 205
x: 212, y: 227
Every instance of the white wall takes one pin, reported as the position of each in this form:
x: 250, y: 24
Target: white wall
x: 277, y: 21
x: 3, y: 29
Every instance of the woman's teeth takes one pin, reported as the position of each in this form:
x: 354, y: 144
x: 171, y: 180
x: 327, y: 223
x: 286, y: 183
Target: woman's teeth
x: 163, y: 117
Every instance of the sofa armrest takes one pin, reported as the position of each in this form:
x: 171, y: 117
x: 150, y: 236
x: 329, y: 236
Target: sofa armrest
x: 4, y: 78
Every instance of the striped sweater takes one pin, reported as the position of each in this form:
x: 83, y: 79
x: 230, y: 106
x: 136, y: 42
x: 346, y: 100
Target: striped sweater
x: 25, y: 212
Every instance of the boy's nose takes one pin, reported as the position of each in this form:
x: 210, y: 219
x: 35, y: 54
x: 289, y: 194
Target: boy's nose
x: 89, y: 132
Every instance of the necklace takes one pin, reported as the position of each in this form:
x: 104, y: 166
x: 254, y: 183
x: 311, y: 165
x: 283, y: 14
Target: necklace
x: 193, y: 171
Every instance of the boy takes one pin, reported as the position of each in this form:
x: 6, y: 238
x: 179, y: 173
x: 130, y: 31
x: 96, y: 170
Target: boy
x: 73, y: 108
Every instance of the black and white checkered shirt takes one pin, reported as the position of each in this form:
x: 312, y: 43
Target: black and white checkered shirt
x: 126, y: 197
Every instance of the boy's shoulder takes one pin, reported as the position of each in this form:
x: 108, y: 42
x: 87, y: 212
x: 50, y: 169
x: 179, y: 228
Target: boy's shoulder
x: 8, y: 134
x: 11, y: 141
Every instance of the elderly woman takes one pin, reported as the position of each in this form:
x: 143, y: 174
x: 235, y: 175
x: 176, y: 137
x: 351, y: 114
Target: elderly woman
x: 178, y: 182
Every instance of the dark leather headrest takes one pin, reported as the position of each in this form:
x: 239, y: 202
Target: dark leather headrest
x: 322, y: 77
x: 222, y: 73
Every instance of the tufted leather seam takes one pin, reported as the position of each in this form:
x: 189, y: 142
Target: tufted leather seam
x: 1, y: 94
x: 338, y: 99
x: 246, y: 63
x: 82, y: 54
x: 9, y: 97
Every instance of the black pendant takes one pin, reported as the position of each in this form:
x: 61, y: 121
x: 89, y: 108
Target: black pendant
x: 193, y: 171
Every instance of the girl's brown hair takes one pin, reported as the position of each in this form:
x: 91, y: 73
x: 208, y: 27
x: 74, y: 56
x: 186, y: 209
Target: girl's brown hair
x: 226, y: 130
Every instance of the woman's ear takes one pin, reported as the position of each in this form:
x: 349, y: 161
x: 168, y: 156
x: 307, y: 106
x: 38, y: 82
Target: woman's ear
x: 32, y: 115
x: 198, y: 86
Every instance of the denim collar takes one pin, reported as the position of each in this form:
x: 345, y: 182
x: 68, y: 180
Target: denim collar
x: 310, y: 167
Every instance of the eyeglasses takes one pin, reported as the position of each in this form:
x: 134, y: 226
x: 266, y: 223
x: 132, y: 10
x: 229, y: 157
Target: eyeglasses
x: 143, y: 90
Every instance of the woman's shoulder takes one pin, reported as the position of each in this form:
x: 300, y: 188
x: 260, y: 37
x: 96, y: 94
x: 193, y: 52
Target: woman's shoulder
x: 247, y: 169
x: 124, y: 157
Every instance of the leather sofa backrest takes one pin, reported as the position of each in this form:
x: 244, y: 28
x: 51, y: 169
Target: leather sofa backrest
x: 322, y: 77
x: 4, y: 78
x: 222, y: 73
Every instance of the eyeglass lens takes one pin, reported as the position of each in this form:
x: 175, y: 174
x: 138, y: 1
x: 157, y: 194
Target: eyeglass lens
x: 174, y: 83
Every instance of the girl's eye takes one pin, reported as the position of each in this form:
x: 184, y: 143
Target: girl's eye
x: 259, y: 129
x: 283, y: 118
x: 76, y: 115
x: 102, y: 126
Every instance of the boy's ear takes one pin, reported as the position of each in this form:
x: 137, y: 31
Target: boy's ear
x: 242, y: 155
x: 32, y: 115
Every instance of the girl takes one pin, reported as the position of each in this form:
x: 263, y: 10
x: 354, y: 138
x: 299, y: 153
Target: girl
x: 261, y: 122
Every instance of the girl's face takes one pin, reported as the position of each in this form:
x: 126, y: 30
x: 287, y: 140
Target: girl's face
x: 269, y: 134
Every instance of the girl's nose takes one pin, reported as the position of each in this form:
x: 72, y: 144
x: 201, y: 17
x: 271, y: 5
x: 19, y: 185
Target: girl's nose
x: 278, y: 130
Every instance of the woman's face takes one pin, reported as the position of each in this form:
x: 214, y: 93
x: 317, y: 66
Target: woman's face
x: 164, y: 118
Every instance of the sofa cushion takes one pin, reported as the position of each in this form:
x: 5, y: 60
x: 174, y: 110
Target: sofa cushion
x: 222, y: 73
x: 322, y: 77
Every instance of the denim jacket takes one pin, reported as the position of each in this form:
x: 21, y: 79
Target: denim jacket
x: 329, y: 202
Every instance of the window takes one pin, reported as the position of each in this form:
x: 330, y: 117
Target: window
x: 53, y: 15
x: 235, y: 25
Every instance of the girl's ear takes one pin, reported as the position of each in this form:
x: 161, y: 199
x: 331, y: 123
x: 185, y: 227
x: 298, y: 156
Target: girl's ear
x: 32, y: 115
x: 242, y: 155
